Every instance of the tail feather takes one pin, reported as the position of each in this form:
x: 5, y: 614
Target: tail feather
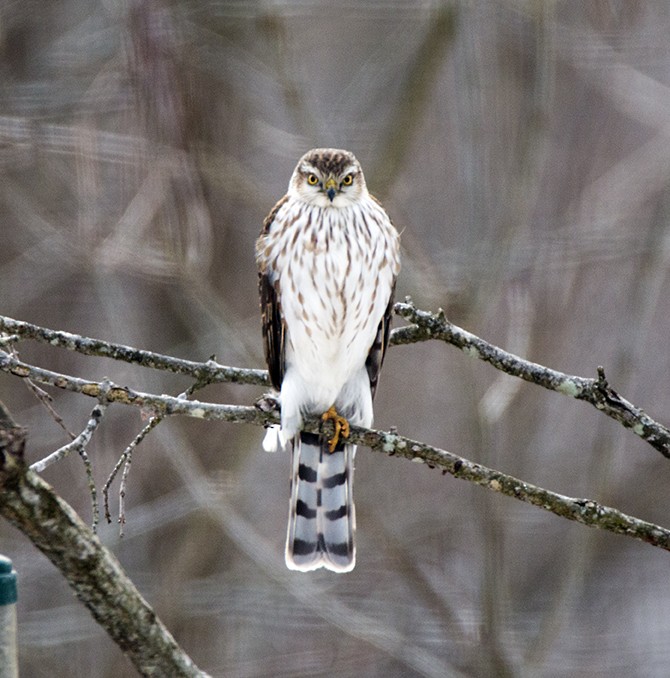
x: 322, y: 521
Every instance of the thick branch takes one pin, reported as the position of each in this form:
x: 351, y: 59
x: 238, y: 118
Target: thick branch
x: 595, y: 391
x: 92, y: 571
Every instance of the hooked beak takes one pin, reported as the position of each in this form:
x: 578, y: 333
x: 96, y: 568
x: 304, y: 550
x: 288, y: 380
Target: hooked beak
x: 331, y: 188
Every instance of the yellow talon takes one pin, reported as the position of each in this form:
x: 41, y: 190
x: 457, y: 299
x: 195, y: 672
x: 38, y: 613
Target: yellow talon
x: 341, y: 427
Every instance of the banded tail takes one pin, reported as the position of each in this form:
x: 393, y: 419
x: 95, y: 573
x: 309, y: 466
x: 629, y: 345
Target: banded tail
x: 322, y: 521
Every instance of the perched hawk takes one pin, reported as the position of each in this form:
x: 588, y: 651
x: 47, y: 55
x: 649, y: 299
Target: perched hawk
x: 328, y: 258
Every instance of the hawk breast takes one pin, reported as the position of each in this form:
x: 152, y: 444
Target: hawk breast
x: 335, y: 269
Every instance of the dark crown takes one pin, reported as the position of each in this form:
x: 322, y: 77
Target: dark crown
x: 329, y: 160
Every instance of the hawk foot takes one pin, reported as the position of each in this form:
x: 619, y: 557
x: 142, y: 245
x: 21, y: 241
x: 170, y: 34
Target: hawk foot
x: 341, y: 427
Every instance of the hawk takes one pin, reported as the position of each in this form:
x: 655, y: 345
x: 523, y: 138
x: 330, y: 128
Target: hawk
x: 328, y: 258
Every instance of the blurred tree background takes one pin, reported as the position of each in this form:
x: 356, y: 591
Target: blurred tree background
x: 522, y: 145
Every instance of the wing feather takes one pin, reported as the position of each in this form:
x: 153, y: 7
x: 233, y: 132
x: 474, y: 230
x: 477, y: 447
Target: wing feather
x: 274, y: 330
x: 377, y: 353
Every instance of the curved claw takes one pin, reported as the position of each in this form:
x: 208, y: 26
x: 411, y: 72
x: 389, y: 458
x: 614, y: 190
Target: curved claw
x: 341, y: 427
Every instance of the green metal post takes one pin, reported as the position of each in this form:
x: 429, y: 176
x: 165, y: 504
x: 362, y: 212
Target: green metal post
x: 9, y: 665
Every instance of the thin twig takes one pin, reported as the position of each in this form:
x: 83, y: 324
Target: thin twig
x: 80, y: 441
x: 126, y: 459
x: 46, y: 400
x: 79, y: 444
x: 92, y: 490
x: 128, y: 454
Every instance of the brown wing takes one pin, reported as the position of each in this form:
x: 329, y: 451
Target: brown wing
x: 273, y: 324
x: 375, y: 358
x: 377, y: 353
x: 273, y: 330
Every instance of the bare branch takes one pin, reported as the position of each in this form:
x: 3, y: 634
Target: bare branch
x: 426, y: 326
x: 585, y: 511
x: 79, y: 442
x: 209, y: 371
x: 46, y: 399
x: 595, y: 391
x: 90, y: 480
x: 112, y: 393
x: 124, y: 460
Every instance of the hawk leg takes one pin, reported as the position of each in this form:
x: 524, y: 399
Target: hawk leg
x: 341, y: 427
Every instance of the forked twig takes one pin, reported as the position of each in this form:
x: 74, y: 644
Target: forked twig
x: 126, y: 457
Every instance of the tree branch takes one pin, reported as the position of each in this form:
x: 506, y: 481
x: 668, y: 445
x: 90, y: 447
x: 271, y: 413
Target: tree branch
x: 209, y: 371
x: 595, y: 391
x: 585, y: 511
x: 426, y: 326
x: 92, y: 571
x: 110, y: 392
x: 79, y: 443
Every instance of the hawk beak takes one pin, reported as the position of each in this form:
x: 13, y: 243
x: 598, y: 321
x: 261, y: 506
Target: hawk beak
x: 331, y: 188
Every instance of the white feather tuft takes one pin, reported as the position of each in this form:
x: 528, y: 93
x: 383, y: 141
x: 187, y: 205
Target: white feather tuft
x: 274, y: 440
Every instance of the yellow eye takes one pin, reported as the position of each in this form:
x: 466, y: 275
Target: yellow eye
x: 312, y: 179
x: 348, y: 180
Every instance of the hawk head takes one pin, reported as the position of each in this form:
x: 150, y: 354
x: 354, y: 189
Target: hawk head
x: 328, y: 177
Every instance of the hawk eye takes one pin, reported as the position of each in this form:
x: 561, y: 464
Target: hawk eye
x: 312, y: 179
x: 348, y: 180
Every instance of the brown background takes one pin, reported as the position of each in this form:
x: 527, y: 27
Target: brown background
x: 523, y: 148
